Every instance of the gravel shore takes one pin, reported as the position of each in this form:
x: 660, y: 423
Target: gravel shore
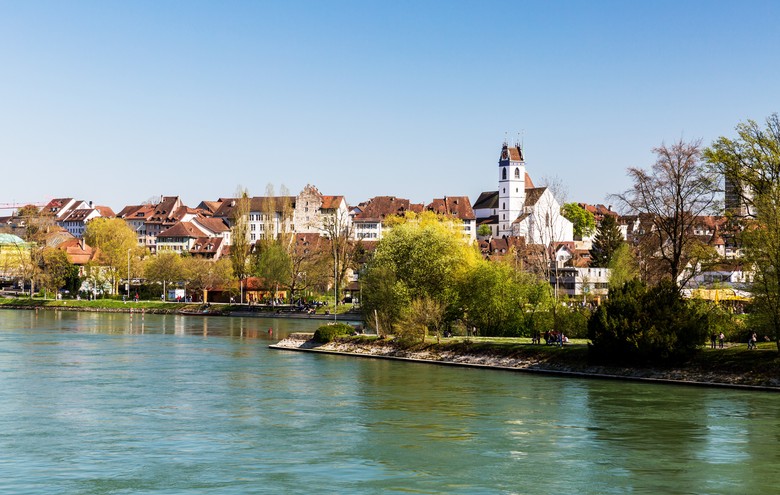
x: 389, y: 350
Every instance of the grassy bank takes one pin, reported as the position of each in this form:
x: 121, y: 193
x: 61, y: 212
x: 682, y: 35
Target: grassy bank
x: 735, y: 364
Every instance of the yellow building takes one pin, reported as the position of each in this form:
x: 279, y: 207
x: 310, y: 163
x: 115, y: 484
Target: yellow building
x: 14, y: 256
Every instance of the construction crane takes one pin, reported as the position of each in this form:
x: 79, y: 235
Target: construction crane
x: 16, y: 206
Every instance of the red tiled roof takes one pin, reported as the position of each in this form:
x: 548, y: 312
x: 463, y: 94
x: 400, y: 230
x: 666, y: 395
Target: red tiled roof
x: 217, y: 225
x: 182, y: 229
x: 105, y: 211
x: 380, y: 207
x: 331, y: 202
x: 456, y: 206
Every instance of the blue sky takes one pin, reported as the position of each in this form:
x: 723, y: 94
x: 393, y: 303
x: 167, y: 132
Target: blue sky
x: 116, y: 102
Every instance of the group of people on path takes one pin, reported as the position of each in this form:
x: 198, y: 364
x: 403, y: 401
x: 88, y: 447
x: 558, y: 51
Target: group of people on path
x: 717, y: 339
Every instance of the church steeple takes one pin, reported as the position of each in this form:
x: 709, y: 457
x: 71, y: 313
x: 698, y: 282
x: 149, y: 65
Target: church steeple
x: 511, y: 186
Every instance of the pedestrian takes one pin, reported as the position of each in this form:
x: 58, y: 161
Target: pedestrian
x: 713, y: 338
x: 721, y: 338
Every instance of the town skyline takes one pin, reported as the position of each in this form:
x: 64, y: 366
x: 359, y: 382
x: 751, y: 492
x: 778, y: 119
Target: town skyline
x: 115, y: 103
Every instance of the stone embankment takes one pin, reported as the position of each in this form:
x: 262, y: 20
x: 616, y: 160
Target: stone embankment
x: 527, y: 363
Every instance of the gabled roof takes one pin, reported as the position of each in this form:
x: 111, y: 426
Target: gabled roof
x: 55, y: 205
x: 182, y: 229
x: 532, y: 196
x: 456, y: 206
x: 78, y: 215
x: 78, y: 251
x: 331, y: 202
x: 256, y: 204
x: 210, y: 206
x: 381, y: 207
x: 136, y: 212
x: 216, y: 225
x: 206, y: 245
x: 105, y: 211
x: 487, y: 199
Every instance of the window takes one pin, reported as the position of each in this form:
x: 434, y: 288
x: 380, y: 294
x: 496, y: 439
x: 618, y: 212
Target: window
x: 503, y: 174
x: 517, y: 173
x: 503, y: 206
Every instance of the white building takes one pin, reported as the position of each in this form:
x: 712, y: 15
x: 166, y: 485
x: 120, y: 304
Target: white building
x: 518, y: 208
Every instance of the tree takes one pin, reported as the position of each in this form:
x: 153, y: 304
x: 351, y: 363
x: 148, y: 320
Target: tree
x: 484, y: 231
x: 751, y: 166
x: 608, y: 240
x: 584, y: 222
x: 239, y: 235
x: 646, y: 325
x: 424, y: 314
x: 57, y: 270
x: 308, y: 263
x: 623, y: 267
x: 338, y: 229
x: 676, y: 190
x: 271, y: 262
x: 422, y: 255
x: 492, y: 299
x: 205, y: 275
x: 115, y: 241
x: 165, y: 268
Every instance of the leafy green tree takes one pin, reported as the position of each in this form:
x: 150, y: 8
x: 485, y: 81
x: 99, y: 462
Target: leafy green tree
x: 492, y: 299
x: 272, y: 263
x: 484, y: 231
x: 423, y: 255
x: 583, y: 220
x: 204, y: 275
x: 385, y: 298
x: 56, y: 270
x: 751, y: 165
x: 623, y: 266
x: 165, y: 268
x: 115, y: 241
x: 607, y: 241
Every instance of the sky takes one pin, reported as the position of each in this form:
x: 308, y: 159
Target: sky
x: 121, y: 102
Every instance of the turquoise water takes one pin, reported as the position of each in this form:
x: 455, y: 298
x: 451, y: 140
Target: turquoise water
x: 108, y: 404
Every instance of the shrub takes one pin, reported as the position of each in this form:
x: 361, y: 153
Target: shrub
x: 644, y: 325
x: 331, y: 331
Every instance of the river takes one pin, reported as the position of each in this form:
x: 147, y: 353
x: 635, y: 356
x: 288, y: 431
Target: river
x: 96, y: 403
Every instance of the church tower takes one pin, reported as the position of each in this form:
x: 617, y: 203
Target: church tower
x: 511, y: 187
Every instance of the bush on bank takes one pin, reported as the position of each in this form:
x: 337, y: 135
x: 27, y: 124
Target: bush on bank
x: 648, y: 325
x: 332, y: 331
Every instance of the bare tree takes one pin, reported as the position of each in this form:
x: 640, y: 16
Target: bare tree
x: 239, y: 249
x: 339, y: 230
x: 676, y: 190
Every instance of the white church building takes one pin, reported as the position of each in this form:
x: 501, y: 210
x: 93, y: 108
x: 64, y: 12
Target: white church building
x: 518, y: 208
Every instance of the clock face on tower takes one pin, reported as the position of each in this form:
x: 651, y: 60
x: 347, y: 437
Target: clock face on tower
x: 504, y: 154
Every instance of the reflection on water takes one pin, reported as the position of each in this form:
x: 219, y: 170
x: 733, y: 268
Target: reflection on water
x: 112, y: 403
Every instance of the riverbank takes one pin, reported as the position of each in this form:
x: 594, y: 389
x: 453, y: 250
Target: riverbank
x: 732, y: 367
x: 171, y: 308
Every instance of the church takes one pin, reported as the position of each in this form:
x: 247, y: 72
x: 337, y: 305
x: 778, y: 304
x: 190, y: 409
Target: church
x: 518, y: 208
